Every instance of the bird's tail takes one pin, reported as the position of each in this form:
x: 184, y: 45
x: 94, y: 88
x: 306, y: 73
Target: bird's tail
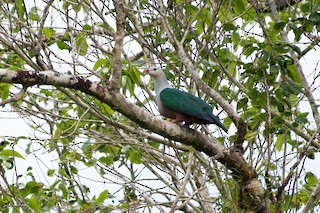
x: 217, y: 121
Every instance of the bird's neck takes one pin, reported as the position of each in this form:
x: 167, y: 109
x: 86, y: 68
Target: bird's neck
x: 161, y: 83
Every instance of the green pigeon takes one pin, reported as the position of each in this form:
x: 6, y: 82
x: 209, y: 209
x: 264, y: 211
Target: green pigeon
x: 181, y: 106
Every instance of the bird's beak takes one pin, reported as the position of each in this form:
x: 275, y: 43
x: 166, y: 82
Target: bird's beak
x: 148, y: 71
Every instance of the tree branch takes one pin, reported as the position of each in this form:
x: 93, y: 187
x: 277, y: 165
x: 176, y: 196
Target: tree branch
x: 119, y: 36
x: 252, y: 189
x: 16, y: 97
x: 312, y: 199
x: 184, y: 184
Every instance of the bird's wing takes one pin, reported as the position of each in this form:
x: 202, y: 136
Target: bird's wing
x: 185, y: 103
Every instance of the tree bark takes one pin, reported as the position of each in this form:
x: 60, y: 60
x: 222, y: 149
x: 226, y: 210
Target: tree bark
x: 252, y: 197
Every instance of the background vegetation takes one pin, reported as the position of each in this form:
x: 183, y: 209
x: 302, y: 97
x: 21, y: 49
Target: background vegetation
x: 74, y: 71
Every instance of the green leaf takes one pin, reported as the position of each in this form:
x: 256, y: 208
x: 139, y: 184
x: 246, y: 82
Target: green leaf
x: 34, y: 187
x: 64, y: 190
x: 87, y: 148
x: 50, y: 172
x: 200, y: 27
x: 239, y: 6
x: 296, y: 30
x: 135, y: 157
x: 73, y: 169
x: 236, y: 39
x: 126, y: 150
x: 293, y: 73
x: 20, y: 8
x: 280, y: 107
x: 229, y: 27
x: 154, y: 144
x: 315, y: 17
x: 10, y: 153
x: 63, y: 46
x: 103, y: 195
x: 48, y: 31
x: 106, y: 160
x: 134, y: 75
x: 34, y: 203
x: 306, y: 7
x: 34, y: 14
x: 46, y: 92
x: 227, y: 122
x: 87, y: 27
x: 249, y: 49
x: 76, y: 7
x: 81, y: 45
x: 251, y: 135
x: 291, y: 88
x: 311, y: 155
x: 279, y: 26
x: 107, y: 109
x: 138, y: 63
x: 295, y: 48
x: 54, y: 184
x: 242, y: 103
x: 101, y: 62
x: 311, y: 179
x: 127, y: 84
x: 5, y: 90
x: 279, y: 142
x: 302, y: 118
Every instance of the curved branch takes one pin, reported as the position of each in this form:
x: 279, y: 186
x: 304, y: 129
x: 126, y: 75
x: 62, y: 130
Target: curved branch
x: 119, y: 103
x: 251, y: 188
x: 120, y: 125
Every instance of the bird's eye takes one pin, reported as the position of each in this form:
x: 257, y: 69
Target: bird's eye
x: 154, y: 69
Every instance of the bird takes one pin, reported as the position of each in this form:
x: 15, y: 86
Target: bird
x: 179, y: 105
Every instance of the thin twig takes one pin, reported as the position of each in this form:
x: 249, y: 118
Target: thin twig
x: 16, y: 97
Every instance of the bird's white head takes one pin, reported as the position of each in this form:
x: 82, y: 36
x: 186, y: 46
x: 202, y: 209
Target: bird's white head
x: 155, y: 72
x: 160, y: 79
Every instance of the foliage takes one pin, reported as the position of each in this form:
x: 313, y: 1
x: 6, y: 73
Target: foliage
x: 94, y: 159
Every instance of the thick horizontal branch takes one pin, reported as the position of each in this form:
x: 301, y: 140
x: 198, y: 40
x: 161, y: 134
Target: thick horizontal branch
x: 119, y: 103
x: 233, y: 160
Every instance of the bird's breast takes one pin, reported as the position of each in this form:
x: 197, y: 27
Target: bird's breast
x: 164, y: 111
